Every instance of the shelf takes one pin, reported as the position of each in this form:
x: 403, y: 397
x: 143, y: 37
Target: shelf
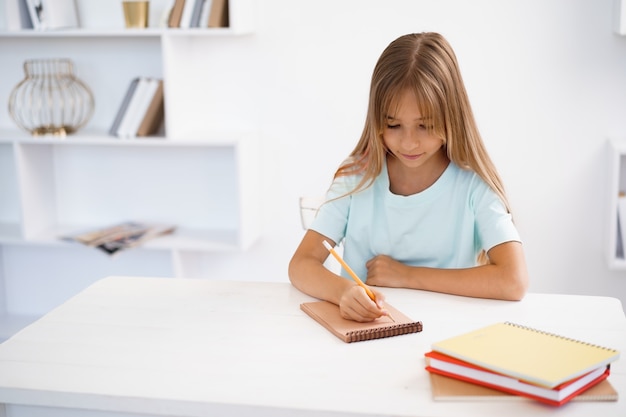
x: 82, y: 33
x: 199, y: 185
x: 188, y: 239
x: 617, y: 184
x: 103, y: 18
x: 95, y: 138
x: 202, y: 176
x: 122, y: 33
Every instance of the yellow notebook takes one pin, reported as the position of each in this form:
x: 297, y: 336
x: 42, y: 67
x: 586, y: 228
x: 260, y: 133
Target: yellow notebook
x: 528, y: 354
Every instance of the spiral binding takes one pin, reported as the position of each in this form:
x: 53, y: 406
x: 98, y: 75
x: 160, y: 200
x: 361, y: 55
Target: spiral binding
x: 387, y: 331
x: 532, y: 329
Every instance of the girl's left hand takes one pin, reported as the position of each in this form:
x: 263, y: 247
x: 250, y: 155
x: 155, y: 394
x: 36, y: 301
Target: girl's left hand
x: 384, y: 271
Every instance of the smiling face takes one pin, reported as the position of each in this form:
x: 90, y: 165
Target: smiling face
x: 410, y: 138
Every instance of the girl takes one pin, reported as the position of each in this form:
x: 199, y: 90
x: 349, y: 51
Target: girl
x: 418, y: 203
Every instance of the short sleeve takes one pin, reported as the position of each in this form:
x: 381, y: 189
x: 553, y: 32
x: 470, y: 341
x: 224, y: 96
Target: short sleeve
x: 332, y: 217
x: 494, y: 224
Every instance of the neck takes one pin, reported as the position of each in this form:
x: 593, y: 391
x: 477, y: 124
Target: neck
x: 408, y: 181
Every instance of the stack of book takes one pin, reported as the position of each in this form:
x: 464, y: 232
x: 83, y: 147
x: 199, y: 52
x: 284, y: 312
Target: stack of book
x: 116, y: 238
x: 142, y: 111
x: 525, y: 362
x: 199, y: 14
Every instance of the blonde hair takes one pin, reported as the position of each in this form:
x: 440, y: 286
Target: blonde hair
x: 426, y: 64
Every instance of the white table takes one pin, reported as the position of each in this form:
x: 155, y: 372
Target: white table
x: 173, y: 347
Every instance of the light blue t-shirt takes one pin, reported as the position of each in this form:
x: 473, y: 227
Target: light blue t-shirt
x: 444, y: 226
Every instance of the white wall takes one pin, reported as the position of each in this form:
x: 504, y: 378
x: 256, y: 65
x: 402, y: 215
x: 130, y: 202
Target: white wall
x: 547, y: 80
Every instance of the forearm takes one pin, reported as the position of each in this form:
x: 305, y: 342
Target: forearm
x: 486, y: 281
x: 504, y: 278
x: 313, y: 278
x: 308, y: 273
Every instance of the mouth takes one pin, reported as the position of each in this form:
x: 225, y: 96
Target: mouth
x: 411, y: 157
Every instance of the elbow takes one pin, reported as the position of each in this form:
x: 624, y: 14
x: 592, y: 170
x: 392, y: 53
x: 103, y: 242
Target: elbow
x: 508, y: 258
x: 291, y: 268
x: 294, y: 272
x: 517, y: 286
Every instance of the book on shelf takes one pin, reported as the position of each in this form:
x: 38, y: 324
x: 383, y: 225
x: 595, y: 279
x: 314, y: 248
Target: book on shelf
x: 445, y: 388
x: 53, y: 14
x: 185, y: 19
x: 522, y: 353
x: 176, y: 13
x: 187, y: 14
x: 124, y: 130
x: 17, y: 15
x: 621, y: 226
x: 124, y: 106
x: 141, y: 112
x: 196, y: 13
x: 218, y: 15
x: 154, y: 115
x: 559, y: 395
x: 121, y: 236
x: 35, y: 10
x: 327, y: 314
x: 146, y: 94
x: 204, y: 14
x: 131, y: 106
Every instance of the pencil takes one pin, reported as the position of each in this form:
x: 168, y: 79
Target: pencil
x: 353, y: 275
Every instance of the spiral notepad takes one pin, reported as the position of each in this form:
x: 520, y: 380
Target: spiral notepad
x: 327, y: 314
x: 532, y: 355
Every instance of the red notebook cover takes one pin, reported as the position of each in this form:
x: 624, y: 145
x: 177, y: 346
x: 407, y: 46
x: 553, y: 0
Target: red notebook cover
x: 553, y: 396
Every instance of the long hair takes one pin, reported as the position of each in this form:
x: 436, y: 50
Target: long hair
x: 426, y: 64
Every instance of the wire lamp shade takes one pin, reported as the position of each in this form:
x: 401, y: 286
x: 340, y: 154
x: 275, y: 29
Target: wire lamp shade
x: 50, y: 100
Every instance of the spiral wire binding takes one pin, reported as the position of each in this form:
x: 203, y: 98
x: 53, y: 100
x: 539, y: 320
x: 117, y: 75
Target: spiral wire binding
x: 532, y: 329
x: 387, y: 331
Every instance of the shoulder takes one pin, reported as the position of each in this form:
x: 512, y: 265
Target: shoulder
x: 466, y: 177
x: 466, y: 182
x: 348, y: 178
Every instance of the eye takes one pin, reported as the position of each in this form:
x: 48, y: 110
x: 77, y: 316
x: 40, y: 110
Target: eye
x: 389, y: 126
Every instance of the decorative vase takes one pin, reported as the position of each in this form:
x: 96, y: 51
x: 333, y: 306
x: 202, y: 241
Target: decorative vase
x: 50, y: 100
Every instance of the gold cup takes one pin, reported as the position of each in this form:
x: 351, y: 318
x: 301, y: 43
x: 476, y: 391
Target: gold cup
x: 136, y: 13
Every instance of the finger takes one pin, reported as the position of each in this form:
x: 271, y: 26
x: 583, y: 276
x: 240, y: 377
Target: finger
x: 356, y: 311
x: 372, y: 309
x: 361, y: 312
x: 357, y: 305
x: 372, y: 261
x: 380, y: 299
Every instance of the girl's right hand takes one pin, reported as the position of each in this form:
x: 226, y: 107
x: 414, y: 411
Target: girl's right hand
x: 356, y: 305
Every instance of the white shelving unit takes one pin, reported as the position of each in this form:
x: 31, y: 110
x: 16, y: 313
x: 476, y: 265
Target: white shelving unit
x: 203, y: 176
x: 619, y: 17
x: 617, y: 184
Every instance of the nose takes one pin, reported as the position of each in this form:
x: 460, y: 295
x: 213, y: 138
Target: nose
x: 411, y: 139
